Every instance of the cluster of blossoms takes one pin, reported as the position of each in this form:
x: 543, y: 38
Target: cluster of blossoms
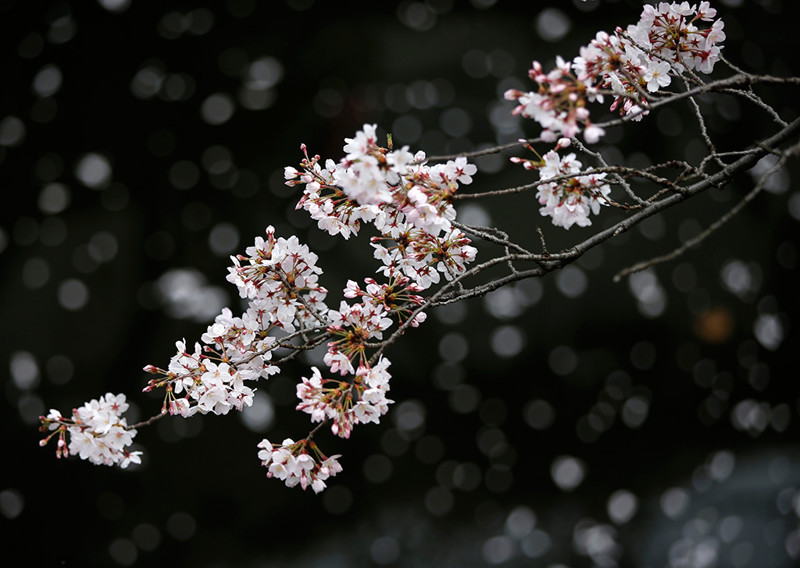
x: 569, y: 198
x: 407, y: 201
x: 346, y: 404
x: 97, y: 431
x: 628, y: 64
x: 291, y: 462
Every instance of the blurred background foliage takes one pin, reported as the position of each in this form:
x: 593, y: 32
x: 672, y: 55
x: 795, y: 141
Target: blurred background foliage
x: 570, y: 421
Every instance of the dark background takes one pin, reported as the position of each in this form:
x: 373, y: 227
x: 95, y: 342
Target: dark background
x: 143, y: 143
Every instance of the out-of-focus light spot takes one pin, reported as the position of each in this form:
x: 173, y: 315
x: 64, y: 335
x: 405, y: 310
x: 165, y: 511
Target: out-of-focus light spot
x: 377, y: 468
x: 406, y: 128
x: 30, y: 407
x: 177, y: 87
x: 650, y: 296
x: 503, y: 303
x: 259, y: 416
x: 123, y: 551
x: 47, y: 81
x: 539, y: 414
x: 439, y: 501
x: 520, y: 522
x: 597, y: 541
x: 35, y: 273
x: 217, y: 159
x: 12, y: 503
x: 60, y: 369
x: 394, y: 97
x: 562, y: 360
x: 172, y: 25
x: 223, y: 239
x: 536, y: 544
x: 768, y: 330
x: 264, y: 73
x: 741, y: 279
x: 474, y: 215
x: 12, y: 131
x: 409, y: 416
x: 185, y: 294
x: 635, y: 410
x: 200, y: 21
x: 148, y: 80
x: 571, y: 281
x: 416, y: 16
x: 73, y: 294
x: 146, y: 536
x: 492, y: 442
x: 184, y: 174
x: 778, y: 182
x: 697, y: 553
x: 751, y: 416
x: 622, y: 506
x: 720, y: 465
x: 103, y: 247
x: 62, y: 28
x: 24, y: 370
x: 455, y: 122
x: 464, y: 399
x: 116, y: 6
x: 653, y: 228
x: 421, y: 94
x: 730, y: 527
x: 217, y: 109
x: 497, y: 549
x: 453, y: 347
x: 256, y: 99
x: 475, y: 63
x: 552, y: 24
x: 466, y: 476
x: 93, y: 170
x: 567, y: 472
x: 674, y: 502
x: 384, y: 550
x: 714, y: 325
x: 54, y: 198
x: 181, y: 526
x: 508, y: 341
